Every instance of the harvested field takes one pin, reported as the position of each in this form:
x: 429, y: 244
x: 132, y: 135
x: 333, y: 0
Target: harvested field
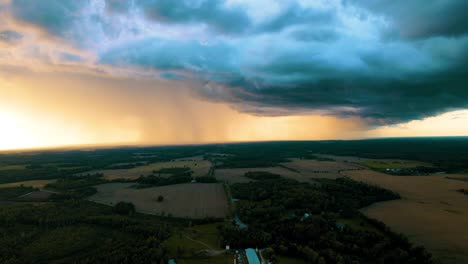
x: 199, y: 168
x: 301, y: 170
x: 377, y: 163
x: 309, y: 169
x: 34, y: 183
x: 193, y: 200
x: 431, y: 212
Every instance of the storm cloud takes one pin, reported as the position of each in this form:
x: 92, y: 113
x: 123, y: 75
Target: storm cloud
x: 387, y: 61
x: 420, y: 18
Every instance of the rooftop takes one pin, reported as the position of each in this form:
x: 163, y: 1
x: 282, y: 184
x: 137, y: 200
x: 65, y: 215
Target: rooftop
x: 252, y: 256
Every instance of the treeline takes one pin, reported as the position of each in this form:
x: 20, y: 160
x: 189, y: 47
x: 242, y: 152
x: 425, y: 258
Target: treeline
x: 152, y: 180
x: 127, y: 165
x: 261, y: 175
x: 447, y: 154
x: 303, y: 220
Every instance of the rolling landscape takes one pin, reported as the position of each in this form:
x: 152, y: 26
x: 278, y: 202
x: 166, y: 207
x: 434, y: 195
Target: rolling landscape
x: 296, y: 202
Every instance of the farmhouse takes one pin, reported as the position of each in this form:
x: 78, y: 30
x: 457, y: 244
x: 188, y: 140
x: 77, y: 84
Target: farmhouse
x: 252, y: 256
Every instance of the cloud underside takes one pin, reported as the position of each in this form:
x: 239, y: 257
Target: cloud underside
x: 388, y: 61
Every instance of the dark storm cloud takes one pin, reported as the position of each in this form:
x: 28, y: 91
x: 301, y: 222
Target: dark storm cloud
x: 10, y: 36
x: 389, y: 99
x: 301, y: 58
x: 421, y: 18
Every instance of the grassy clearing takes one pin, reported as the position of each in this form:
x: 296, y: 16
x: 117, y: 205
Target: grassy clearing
x: 196, y: 238
x: 200, y: 237
x: 208, y: 234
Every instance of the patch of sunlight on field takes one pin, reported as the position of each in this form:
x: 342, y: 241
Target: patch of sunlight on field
x: 33, y: 183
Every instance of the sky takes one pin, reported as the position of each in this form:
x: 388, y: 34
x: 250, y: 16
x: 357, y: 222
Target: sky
x: 202, y: 71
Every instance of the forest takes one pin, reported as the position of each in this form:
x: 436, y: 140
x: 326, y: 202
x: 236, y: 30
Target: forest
x: 72, y: 230
x: 319, y: 222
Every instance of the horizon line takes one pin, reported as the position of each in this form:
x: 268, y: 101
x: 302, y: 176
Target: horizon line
x: 136, y: 145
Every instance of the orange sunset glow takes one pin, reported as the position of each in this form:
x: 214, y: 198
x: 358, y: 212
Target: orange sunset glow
x: 189, y: 82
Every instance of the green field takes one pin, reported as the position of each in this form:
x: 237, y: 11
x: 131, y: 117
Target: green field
x: 200, y: 237
x: 182, y: 244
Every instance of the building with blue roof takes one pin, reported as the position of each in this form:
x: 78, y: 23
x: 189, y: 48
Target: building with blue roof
x: 252, y: 256
x: 171, y: 261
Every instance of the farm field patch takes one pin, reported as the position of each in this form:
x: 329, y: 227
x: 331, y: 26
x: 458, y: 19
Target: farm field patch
x: 199, y: 167
x: 431, y: 211
x: 377, y: 163
x: 33, y: 183
x: 299, y: 169
x: 309, y: 169
x: 193, y: 200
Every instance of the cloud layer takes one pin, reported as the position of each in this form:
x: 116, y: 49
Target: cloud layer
x: 387, y: 61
